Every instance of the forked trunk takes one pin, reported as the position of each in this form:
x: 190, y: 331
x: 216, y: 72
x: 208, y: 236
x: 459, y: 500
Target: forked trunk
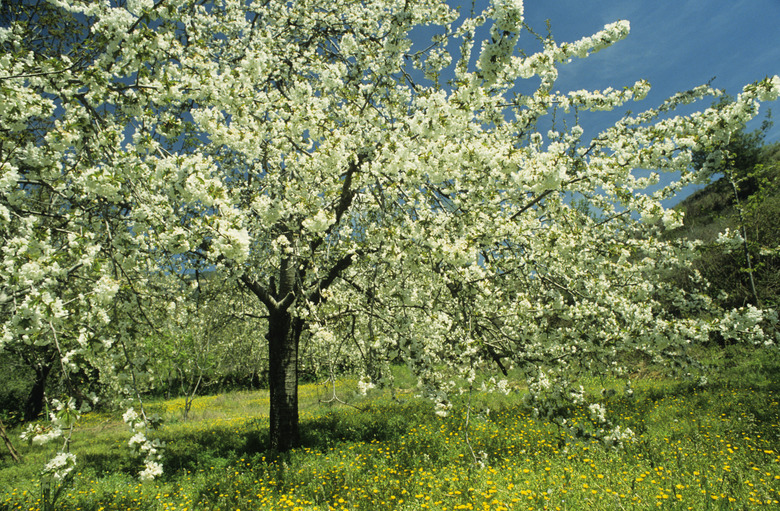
x: 284, y: 334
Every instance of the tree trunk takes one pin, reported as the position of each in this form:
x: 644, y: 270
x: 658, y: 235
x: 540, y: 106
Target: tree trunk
x: 284, y: 333
x: 34, y: 404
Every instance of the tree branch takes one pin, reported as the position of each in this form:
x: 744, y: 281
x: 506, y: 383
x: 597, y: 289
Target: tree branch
x: 315, y: 296
x: 261, y: 292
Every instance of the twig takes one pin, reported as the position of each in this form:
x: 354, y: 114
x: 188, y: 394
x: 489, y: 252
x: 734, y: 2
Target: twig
x: 466, y: 428
x: 334, y: 397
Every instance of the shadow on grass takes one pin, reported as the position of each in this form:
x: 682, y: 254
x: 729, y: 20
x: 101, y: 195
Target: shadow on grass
x: 190, y: 449
x: 381, y: 422
x: 744, y: 385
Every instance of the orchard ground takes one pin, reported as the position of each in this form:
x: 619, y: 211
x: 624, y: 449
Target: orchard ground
x: 713, y: 445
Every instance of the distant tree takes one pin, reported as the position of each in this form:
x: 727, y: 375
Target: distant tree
x: 207, y: 337
x: 741, y: 154
x: 761, y: 215
x: 743, y: 200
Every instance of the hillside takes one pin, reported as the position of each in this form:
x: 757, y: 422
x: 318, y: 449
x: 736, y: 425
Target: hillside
x: 712, y: 210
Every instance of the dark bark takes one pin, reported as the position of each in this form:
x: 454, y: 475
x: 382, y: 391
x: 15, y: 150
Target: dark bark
x: 34, y: 404
x: 283, y: 336
x: 284, y: 333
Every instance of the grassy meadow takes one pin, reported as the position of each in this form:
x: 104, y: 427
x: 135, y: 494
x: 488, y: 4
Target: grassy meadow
x: 697, y: 447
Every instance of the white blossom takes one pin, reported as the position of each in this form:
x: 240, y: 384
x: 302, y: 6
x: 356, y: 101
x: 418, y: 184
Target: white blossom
x: 364, y: 385
x: 618, y: 437
x: 152, y: 470
x: 318, y: 223
x: 130, y: 417
x: 597, y: 412
x: 60, y: 466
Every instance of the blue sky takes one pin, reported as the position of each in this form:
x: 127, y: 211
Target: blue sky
x: 675, y: 45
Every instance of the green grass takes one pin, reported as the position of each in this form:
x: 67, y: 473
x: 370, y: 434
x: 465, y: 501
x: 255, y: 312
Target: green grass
x: 711, y: 447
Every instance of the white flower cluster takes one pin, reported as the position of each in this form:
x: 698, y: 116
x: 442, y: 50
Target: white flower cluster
x: 550, y: 393
x: 492, y: 385
x: 542, y: 64
x: 618, y: 437
x: 442, y: 407
x: 233, y: 243
x: 318, y: 223
x: 105, y: 290
x: 138, y: 7
x: 60, y: 466
x: 365, y: 384
x: 496, y: 52
x: 729, y: 239
x: 63, y: 416
x: 606, y: 100
x: 746, y: 324
x: 152, y: 470
x: 508, y: 14
x: 139, y: 443
x: 442, y: 404
x: 38, y: 434
x: 597, y: 412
